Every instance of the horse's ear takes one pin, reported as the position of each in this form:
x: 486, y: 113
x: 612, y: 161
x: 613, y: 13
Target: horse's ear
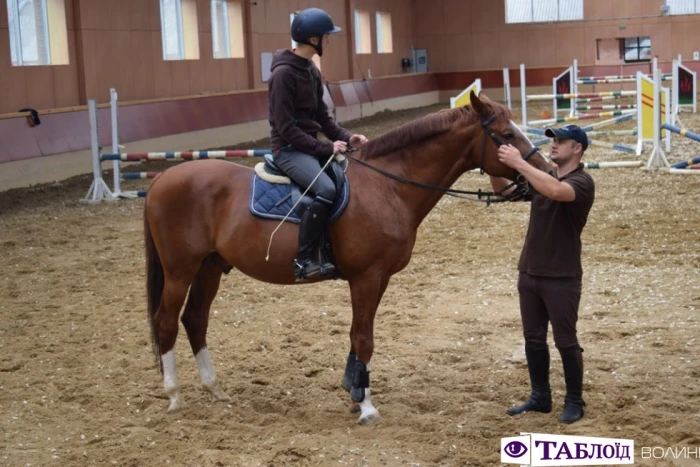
x: 478, y: 105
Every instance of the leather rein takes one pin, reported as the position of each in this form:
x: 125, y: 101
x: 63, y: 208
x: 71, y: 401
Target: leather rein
x: 521, y: 187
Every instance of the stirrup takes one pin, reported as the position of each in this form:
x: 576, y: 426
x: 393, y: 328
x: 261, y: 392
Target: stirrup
x: 311, y: 269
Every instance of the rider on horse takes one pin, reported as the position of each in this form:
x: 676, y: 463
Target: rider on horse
x: 297, y: 114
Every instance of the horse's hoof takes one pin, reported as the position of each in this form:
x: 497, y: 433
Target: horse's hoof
x: 176, y: 406
x: 355, y: 408
x: 370, y: 418
x: 218, y: 393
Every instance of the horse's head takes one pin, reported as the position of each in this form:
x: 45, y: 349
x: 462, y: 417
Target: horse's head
x: 499, y: 128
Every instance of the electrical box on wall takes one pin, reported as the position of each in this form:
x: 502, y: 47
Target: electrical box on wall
x: 696, y: 55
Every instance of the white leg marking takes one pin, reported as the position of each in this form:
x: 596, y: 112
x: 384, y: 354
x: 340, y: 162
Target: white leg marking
x: 208, y: 375
x: 170, y: 382
x: 369, y: 414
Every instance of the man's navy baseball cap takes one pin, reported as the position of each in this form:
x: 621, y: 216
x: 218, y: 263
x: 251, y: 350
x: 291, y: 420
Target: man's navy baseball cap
x: 569, y: 132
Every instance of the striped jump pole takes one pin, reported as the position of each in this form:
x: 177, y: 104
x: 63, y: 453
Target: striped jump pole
x: 607, y: 107
x: 99, y: 190
x: 591, y: 142
x: 614, y: 146
x: 612, y: 78
x: 613, y: 133
x: 681, y: 131
x: 184, y: 155
x: 612, y: 121
x: 685, y: 164
x: 612, y: 164
x: 616, y: 80
x: 599, y: 99
x: 139, y: 175
x: 576, y: 118
x: 544, y: 97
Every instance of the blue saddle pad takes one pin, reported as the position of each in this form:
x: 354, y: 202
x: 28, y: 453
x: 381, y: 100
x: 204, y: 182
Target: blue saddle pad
x: 275, y: 200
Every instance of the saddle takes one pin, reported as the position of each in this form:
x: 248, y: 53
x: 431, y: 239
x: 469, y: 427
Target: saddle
x: 273, y: 194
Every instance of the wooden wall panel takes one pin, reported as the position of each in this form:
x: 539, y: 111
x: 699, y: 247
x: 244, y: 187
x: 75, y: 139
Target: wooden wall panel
x: 40, y: 90
x: 486, y: 49
x: 65, y: 78
x: 143, y: 86
x: 162, y: 76
x: 12, y: 79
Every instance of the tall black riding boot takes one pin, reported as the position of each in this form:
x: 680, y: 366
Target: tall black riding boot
x: 541, y: 396
x: 572, y: 359
x: 313, y: 221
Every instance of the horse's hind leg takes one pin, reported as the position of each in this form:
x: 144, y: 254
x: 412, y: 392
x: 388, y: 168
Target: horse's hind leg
x: 196, y: 321
x: 166, y: 323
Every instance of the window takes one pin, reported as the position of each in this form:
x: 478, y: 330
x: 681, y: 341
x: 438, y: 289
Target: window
x: 384, y: 38
x: 227, y: 28
x: 363, y: 41
x: 683, y: 7
x: 38, y: 34
x: 541, y: 11
x: 636, y: 49
x: 179, y: 28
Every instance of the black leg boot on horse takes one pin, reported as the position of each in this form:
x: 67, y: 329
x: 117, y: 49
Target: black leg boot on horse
x: 572, y: 359
x: 541, y: 396
x: 313, y: 221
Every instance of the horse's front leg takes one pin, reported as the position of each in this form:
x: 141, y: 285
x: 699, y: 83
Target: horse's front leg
x: 366, y: 294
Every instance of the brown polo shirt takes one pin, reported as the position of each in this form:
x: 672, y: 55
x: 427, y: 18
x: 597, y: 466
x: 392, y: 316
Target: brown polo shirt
x: 553, y: 241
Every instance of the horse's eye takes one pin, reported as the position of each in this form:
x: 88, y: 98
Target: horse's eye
x: 508, y: 136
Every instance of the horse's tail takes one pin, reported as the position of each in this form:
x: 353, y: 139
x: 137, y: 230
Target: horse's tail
x: 154, y: 285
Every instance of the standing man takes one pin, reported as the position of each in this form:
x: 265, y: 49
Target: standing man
x: 549, y: 282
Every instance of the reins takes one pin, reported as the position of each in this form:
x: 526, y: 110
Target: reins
x: 520, y: 191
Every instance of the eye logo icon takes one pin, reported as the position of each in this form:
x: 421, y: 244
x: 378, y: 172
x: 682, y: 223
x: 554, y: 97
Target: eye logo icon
x: 515, y: 449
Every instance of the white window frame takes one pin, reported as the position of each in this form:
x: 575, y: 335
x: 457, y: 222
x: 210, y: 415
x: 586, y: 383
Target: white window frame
x: 378, y: 19
x: 15, y: 32
x: 215, y: 26
x: 531, y: 14
x: 696, y: 7
x: 180, y: 33
x: 358, y: 33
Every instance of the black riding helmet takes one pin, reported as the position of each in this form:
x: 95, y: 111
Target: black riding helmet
x: 313, y: 22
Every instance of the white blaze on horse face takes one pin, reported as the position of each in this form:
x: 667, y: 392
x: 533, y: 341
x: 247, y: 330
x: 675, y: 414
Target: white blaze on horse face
x: 518, y: 130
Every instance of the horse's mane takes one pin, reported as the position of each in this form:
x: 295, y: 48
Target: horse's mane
x: 426, y: 127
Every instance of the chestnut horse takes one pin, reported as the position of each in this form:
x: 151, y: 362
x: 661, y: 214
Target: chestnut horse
x: 198, y: 225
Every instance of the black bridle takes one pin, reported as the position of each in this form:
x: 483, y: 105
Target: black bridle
x: 521, y: 186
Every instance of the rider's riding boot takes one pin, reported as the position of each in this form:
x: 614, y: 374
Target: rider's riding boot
x: 572, y: 359
x: 541, y: 396
x: 313, y: 221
